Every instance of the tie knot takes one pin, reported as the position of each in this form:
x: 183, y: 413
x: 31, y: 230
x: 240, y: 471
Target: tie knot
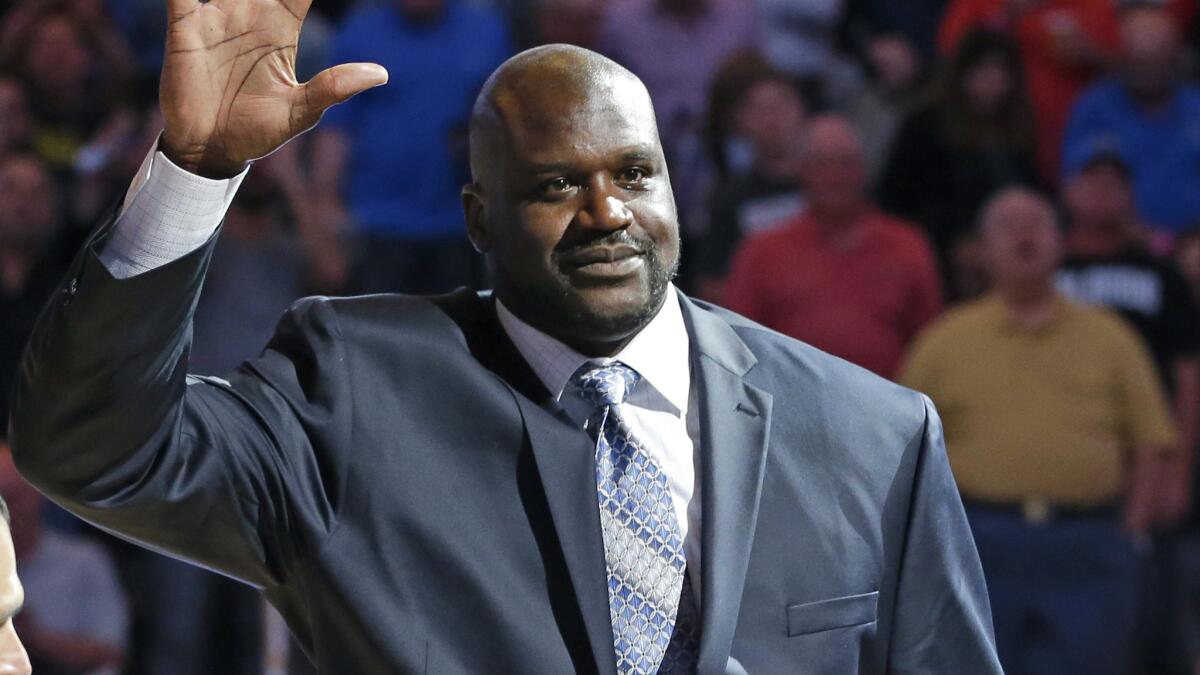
x: 606, y: 385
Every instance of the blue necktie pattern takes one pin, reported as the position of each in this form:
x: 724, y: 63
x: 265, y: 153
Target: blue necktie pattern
x: 654, y: 620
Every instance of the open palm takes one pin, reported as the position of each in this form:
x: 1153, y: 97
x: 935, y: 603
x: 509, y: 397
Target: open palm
x: 229, y: 92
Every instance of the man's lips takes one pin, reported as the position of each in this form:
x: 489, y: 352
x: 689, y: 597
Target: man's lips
x: 604, y: 262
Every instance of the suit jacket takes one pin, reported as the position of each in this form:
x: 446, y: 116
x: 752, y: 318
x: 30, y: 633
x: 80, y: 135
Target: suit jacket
x: 403, y: 489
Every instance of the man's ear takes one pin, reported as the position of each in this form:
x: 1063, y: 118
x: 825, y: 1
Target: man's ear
x: 475, y: 211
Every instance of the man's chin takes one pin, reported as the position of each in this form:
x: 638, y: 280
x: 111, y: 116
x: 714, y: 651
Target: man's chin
x: 612, y: 313
x: 608, y: 313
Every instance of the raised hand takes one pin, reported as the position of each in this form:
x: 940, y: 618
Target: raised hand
x: 229, y: 93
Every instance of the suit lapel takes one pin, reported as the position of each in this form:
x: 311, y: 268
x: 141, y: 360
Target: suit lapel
x: 565, y: 465
x: 735, y: 421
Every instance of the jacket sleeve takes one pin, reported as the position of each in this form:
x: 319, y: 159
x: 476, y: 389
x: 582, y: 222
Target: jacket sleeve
x: 238, y: 475
x: 943, y: 620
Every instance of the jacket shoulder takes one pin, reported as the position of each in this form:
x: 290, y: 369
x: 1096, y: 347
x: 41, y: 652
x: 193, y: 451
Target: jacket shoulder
x: 398, y: 319
x: 792, y: 370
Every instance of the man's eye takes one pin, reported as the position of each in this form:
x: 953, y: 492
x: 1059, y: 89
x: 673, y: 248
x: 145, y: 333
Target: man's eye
x: 555, y: 186
x: 632, y: 175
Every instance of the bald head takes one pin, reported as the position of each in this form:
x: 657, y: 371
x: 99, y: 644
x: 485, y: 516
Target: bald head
x: 536, y: 91
x: 571, y: 200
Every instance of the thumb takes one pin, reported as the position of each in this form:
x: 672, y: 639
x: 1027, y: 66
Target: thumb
x: 336, y: 85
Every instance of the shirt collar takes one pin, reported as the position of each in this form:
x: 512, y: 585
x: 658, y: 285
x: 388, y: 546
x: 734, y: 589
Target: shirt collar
x: 659, y: 353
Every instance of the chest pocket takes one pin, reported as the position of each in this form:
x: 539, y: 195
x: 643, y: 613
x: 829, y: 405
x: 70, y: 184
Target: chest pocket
x: 823, y: 615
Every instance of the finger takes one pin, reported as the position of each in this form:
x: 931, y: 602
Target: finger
x: 336, y: 85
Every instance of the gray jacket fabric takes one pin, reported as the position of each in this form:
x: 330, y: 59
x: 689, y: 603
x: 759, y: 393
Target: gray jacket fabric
x: 402, y: 488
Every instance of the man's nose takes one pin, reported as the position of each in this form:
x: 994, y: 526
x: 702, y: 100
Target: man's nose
x: 604, y: 209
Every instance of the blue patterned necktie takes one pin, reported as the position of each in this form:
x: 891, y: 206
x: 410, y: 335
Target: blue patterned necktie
x: 654, y: 620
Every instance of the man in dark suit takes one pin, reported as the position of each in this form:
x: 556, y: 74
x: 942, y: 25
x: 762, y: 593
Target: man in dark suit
x: 585, y: 471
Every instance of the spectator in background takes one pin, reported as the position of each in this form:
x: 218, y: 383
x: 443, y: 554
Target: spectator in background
x: 16, y: 124
x: 31, y: 265
x: 844, y: 277
x: 75, y: 620
x: 883, y: 97
x: 766, y: 121
x: 975, y: 136
x: 1056, y: 425
x: 913, y: 21
x: 1107, y: 264
x: 77, y: 71
x: 802, y: 40
x: 395, y: 157
x: 676, y: 47
x: 1151, y: 115
x: 1065, y: 45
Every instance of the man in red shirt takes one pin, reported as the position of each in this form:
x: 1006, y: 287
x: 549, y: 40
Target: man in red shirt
x: 1065, y: 45
x: 844, y: 276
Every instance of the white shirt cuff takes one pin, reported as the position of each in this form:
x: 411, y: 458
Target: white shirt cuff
x: 167, y: 214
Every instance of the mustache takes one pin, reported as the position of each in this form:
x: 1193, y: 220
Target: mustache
x: 643, y: 245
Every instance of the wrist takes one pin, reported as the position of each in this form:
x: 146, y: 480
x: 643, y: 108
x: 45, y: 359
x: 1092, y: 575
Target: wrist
x: 200, y: 160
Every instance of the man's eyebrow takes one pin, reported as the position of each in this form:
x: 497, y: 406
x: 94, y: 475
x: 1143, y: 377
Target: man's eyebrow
x: 551, y: 168
x: 637, y: 155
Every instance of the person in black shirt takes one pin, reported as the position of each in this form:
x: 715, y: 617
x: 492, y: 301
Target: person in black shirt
x: 1109, y: 264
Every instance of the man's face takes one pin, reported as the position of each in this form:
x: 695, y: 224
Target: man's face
x: 27, y: 215
x: 833, y: 170
x: 579, y: 221
x: 1100, y: 196
x: 1152, y: 60
x: 771, y: 114
x: 1023, y: 244
x: 988, y: 84
x: 57, y: 55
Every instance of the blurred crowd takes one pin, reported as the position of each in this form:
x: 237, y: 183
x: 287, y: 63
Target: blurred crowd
x: 995, y: 202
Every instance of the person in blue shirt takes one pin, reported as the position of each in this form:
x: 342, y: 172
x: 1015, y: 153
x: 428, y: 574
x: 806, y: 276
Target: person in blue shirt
x: 1151, y: 116
x: 393, y: 160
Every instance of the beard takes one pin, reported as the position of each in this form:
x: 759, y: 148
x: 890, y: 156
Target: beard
x: 560, y: 309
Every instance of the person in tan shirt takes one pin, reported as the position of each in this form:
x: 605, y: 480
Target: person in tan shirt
x: 1057, y: 428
